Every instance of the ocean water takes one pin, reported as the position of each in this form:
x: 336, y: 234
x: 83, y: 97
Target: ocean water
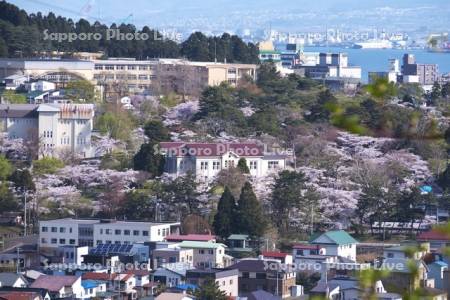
x: 376, y: 60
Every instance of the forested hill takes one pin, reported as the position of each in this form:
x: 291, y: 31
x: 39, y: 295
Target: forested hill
x: 23, y: 34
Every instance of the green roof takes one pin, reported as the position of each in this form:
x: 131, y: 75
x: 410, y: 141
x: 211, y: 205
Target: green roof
x: 206, y: 245
x: 238, y: 237
x: 339, y: 237
x: 269, y: 52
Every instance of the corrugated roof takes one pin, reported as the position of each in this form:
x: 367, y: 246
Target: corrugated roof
x: 339, y: 237
x: 238, y: 237
x: 195, y: 244
x: 190, y: 237
x: 54, y: 283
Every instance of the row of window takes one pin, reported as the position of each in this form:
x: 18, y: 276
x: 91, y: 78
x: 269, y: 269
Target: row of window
x: 55, y: 229
x: 54, y: 241
x: 124, y: 67
x: 125, y: 232
x: 48, y: 133
x: 123, y: 77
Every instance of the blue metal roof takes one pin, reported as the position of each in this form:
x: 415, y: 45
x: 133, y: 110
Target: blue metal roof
x: 89, y: 284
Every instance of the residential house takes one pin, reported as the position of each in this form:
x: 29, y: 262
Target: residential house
x: 267, y: 275
x: 60, y: 286
x: 15, y: 81
x: 400, y: 278
x: 172, y: 255
x: 207, y: 254
x: 436, y: 272
x: 12, y: 280
x: 403, y: 251
x: 284, y: 258
x: 226, y: 279
x: 172, y: 275
x: 92, y: 288
x: 206, y: 160
x: 343, y: 288
x: 239, y: 245
x: 12, y: 293
x: 337, y: 242
x: 127, y: 284
x: 437, y: 239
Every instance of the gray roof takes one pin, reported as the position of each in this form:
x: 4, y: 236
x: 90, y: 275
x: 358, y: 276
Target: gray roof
x: 9, y: 279
x: 260, y: 295
x: 18, y: 111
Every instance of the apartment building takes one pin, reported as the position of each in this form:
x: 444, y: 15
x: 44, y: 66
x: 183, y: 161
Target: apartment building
x: 206, y: 160
x: 77, y: 232
x: 54, y: 128
x: 413, y: 72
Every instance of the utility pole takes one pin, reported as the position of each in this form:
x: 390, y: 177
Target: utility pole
x: 25, y: 213
x: 17, y: 261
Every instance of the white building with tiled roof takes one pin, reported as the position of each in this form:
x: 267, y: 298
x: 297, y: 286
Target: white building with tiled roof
x: 206, y: 160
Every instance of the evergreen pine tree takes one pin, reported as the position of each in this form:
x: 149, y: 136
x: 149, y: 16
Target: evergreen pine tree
x: 242, y: 165
x: 224, y: 219
x: 250, y: 217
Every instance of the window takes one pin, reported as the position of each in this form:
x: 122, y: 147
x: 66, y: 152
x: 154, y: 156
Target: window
x: 72, y: 241
x: 210, y: 251
x: 143, y: 77
x: 159, y: 231
x: 120, y: 67
x: 117, y: 242
x: 99, y: 67
x: 131, y: 67
x: 62, y: 229
x: 145, y: 232
x: 201, y: 251
x: 43, y: 240
x: 245, y: 275
x: 54, y: 241
x: 135, y: 232
x: 390, y: 255
x: 216, y: 165
x: 62, y: 241
x: 108, y: 231
x: 204, y: 165
x: 117, y: 232
x: 109, y: 67
x: 54, y: 229
x: 143, y: 68
x: 101, y: 231
x: 126, y: 232
x: 44, y: 229
x: 253, y: 165
x: 107, y: 242
x: 273, y: 164
x: 99, y: 242
x: 132, y: 77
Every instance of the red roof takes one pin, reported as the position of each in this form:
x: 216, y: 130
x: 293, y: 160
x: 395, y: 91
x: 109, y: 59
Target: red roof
x: 98, y: 276
x: 53, y: 283
x: 126, y: 277
x: 211, y: 149
x: 190, y: 237
x: 18, y: 295
x: 433, y: 235
x: 306, y: 246
x: 274, y: 254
